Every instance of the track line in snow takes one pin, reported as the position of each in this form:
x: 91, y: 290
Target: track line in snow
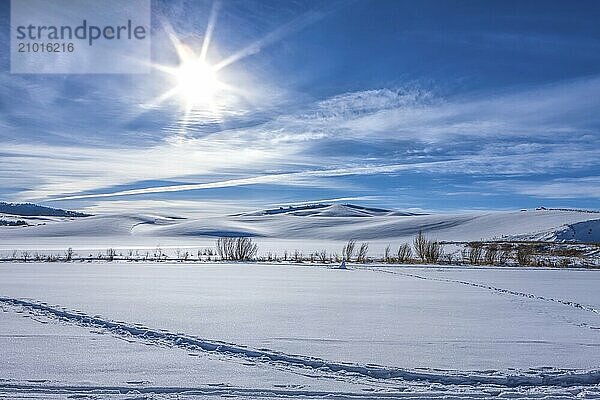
x: 217, y: 391
x: 569, y: 303
x: 14, y: 390
x: 532, y: 377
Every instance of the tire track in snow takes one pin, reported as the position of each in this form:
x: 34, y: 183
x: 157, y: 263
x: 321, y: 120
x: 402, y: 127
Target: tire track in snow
x: 532, y: 377
x: 492, y: 288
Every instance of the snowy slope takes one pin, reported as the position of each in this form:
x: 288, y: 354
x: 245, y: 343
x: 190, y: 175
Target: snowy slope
x: 324, y: 222
x: 585, y: 231
x: 341, y: 223
x: 102, y: 225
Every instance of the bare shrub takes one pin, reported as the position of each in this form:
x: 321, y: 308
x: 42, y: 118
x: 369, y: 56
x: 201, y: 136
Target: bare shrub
x: 565, y: 262
x: 298, y: 256
x: 420, y: 245
x: 474, y: 253
x: 236, y: 248
x: 361, y: 257
x: 490, y: 256
x: 69, y: 254
x: 503, y: 256
x: 433, y: 252
x: 429, y: 251
x: 448, y: 258
x: 225, y: 247
x: 525, y: 253
x: 348, y: 250
x: 505, y: 253
x: 567, y: 252
x: 110, y: 254
x: 404, y: 253
x: 323, y: 256
x: 25, y: 255
x: 386, y: 254
x: 336, y: 257
x: 158, y: 253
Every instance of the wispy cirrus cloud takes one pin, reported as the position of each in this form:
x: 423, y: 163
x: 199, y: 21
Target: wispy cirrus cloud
x: 539, y: 131
x: 292, y: 178
x: 559, y: 188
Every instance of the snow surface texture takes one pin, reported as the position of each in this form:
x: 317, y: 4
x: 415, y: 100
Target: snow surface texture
x: 307, y: 228
x: 265, y: 331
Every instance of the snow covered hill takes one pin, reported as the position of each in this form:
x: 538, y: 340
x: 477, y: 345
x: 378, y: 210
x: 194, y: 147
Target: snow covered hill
x: 322, y: 222
x: 342, y: 222
x: 329, y: 210
x: 584, y: 231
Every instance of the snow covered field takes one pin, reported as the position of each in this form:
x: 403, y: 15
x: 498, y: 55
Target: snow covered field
x: 122, y: 330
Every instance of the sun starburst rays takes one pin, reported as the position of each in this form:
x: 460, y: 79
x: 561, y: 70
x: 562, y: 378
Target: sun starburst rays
x: 198, y: 78
x: 195, y: 81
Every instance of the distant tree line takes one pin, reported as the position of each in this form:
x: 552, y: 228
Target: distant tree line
x: 420, y: 250
x: 9, y: 222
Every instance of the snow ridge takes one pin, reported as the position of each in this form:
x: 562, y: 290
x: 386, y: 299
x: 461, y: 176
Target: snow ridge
x: 532, y: 377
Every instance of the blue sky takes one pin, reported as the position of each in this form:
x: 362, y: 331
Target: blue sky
x: 434, y: 105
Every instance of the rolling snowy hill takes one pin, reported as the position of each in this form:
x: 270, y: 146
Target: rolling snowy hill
x: 324, y: 223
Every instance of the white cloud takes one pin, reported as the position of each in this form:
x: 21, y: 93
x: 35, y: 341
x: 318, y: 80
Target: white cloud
x: 543, y: 130
x: 561, y: 188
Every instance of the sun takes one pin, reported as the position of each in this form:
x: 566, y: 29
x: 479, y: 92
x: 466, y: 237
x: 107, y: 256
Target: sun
x: 197, y: 83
